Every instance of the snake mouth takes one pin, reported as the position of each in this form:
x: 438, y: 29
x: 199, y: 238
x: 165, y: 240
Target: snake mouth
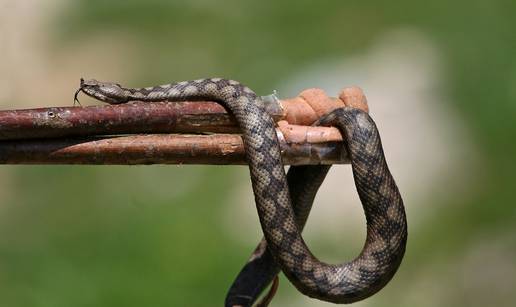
x: 90, y: 88
x: 107, y: 92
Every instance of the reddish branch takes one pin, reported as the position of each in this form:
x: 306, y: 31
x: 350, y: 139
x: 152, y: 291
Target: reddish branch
x: 158, y: 117
x: 158, y: 149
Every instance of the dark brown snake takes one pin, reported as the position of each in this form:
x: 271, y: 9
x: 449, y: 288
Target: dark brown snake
x: 281, y: 223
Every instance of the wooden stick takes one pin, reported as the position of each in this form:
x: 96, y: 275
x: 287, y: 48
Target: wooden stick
x: 176, y: 117
x: 220, y: 149
x: 130, y: 118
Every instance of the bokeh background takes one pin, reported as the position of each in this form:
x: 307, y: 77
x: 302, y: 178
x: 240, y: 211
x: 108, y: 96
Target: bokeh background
x: 440, y: 77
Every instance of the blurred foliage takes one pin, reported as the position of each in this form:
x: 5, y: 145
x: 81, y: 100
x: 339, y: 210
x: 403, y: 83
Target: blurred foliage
x: 96, y: 241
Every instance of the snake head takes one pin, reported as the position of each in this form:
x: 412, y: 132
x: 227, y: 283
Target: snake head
x: 109, y: 92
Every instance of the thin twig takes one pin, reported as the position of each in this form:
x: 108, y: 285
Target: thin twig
x: 220, y: 149
x: 159, y: 117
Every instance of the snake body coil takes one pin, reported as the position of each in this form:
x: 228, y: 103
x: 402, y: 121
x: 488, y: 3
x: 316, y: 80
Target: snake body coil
x: 382, y: 203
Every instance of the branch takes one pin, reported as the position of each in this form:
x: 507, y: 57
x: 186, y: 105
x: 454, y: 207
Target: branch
x: 217, y: 149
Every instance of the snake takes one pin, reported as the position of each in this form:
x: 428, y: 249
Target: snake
x: 386, y: 234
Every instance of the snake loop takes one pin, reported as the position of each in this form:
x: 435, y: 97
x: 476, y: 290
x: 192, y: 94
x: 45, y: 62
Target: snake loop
x: 383, y: 207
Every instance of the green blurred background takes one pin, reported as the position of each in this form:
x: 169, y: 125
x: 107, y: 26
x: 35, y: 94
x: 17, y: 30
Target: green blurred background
x: 441, y: 81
